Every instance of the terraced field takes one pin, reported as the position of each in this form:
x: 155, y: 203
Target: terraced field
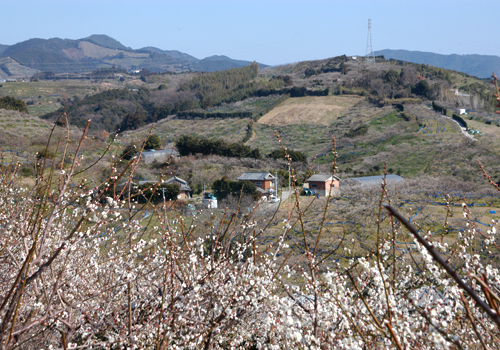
x: 433, y: 122
x: 232, y: 130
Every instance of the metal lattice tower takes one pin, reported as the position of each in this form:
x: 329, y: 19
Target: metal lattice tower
x: 370, y: 56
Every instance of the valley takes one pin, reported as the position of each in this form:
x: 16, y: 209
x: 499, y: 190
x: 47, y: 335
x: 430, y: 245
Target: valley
x: 119, y: 172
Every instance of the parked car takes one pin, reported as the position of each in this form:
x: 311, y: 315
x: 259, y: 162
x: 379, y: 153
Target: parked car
x: 274, y: 199
x: 307, y: 192
x: 208, y: 195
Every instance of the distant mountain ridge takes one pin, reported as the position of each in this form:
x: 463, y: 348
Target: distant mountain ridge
x: 106, y: 41
x: 100, y: 51
x: 480, y: 66
x: 3, y: 48
x: 172, y: 53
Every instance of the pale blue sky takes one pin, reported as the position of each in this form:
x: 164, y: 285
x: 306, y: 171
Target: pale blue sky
x: 270, y: 32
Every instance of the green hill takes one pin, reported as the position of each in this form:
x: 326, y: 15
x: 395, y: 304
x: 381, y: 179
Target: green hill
x: 172, y: 53
x: 3, y: 48
x: 101, y: 51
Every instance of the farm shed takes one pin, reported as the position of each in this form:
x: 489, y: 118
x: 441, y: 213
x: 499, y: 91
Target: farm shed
x: 321, y: 183
x: 161, y: 155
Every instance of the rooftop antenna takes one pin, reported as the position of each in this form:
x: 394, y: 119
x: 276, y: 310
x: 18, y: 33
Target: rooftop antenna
x: 370, y: 56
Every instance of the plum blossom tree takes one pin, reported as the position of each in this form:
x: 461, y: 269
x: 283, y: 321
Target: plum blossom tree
x: 81, y: 268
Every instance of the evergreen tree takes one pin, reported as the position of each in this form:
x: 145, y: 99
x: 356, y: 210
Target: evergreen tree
x: 153, y: 142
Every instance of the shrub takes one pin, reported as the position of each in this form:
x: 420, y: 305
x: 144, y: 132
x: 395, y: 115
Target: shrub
x: 13, y: 103
x: 129, y: 152
x: 187, y: 145
x: 45, y: 154
x: 223, y: 188
x: 295, y: 156
x: 152, y: 193
x: 153, y: 142
x: 359, y: 131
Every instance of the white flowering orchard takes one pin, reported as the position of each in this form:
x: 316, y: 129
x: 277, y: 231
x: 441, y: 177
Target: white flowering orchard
x: 80, y: 268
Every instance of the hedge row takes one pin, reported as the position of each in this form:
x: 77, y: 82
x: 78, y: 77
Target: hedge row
x: 460, y: 121
x: 439, y: 109
x: 187, y: 144
x: 208, y: 115
x: 272, y: 106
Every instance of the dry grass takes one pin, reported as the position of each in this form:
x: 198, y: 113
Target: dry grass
x: 491, y: 131
x: 95, y: 51
x: 322, y: 110
x: 231, y: 130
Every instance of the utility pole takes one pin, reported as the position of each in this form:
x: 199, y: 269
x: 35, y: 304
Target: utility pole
x: 289, y: 182
x: 276, y: 183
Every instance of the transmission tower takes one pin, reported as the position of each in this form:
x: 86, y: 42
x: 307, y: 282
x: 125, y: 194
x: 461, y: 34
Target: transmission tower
x: 370, y: 56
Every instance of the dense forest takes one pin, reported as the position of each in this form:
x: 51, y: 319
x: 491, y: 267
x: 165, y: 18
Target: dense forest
x: 108, y: 109
x: 213, y: 89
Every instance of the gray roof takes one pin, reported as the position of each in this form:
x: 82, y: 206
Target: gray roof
x: 256, y: 176
x: 179, y: 181
x: 173, y: 180
x: 160, y: 152
x: 375, y: 180
x: 321, y: 178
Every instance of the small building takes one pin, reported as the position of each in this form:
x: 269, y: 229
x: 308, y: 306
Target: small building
x: 263, y: 180
x: 461, y: 111
x: 185, y: 189
x: 322, y: 183
x: 161, y: 155
x: 209, y: 201
x: 458, y: 93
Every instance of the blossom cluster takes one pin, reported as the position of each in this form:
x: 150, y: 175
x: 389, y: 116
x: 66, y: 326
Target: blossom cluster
x: 81, y: 268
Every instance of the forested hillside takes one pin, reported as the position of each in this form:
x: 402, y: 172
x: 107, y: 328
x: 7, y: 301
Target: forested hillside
x: 127, y: 108
x: 480, y: 66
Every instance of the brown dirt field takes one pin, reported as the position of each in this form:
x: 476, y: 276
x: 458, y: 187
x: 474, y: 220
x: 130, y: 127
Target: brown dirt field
x: 137, y: 82
x: 310, y: 110
x: 490, y: 130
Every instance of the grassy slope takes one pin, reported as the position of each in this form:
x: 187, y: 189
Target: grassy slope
x: 232, y: 130
x: 428, y: 143
x: 307, y: 124
x: 46, y: 95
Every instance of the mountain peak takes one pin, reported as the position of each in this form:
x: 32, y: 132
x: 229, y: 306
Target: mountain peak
x: 106, y: 41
